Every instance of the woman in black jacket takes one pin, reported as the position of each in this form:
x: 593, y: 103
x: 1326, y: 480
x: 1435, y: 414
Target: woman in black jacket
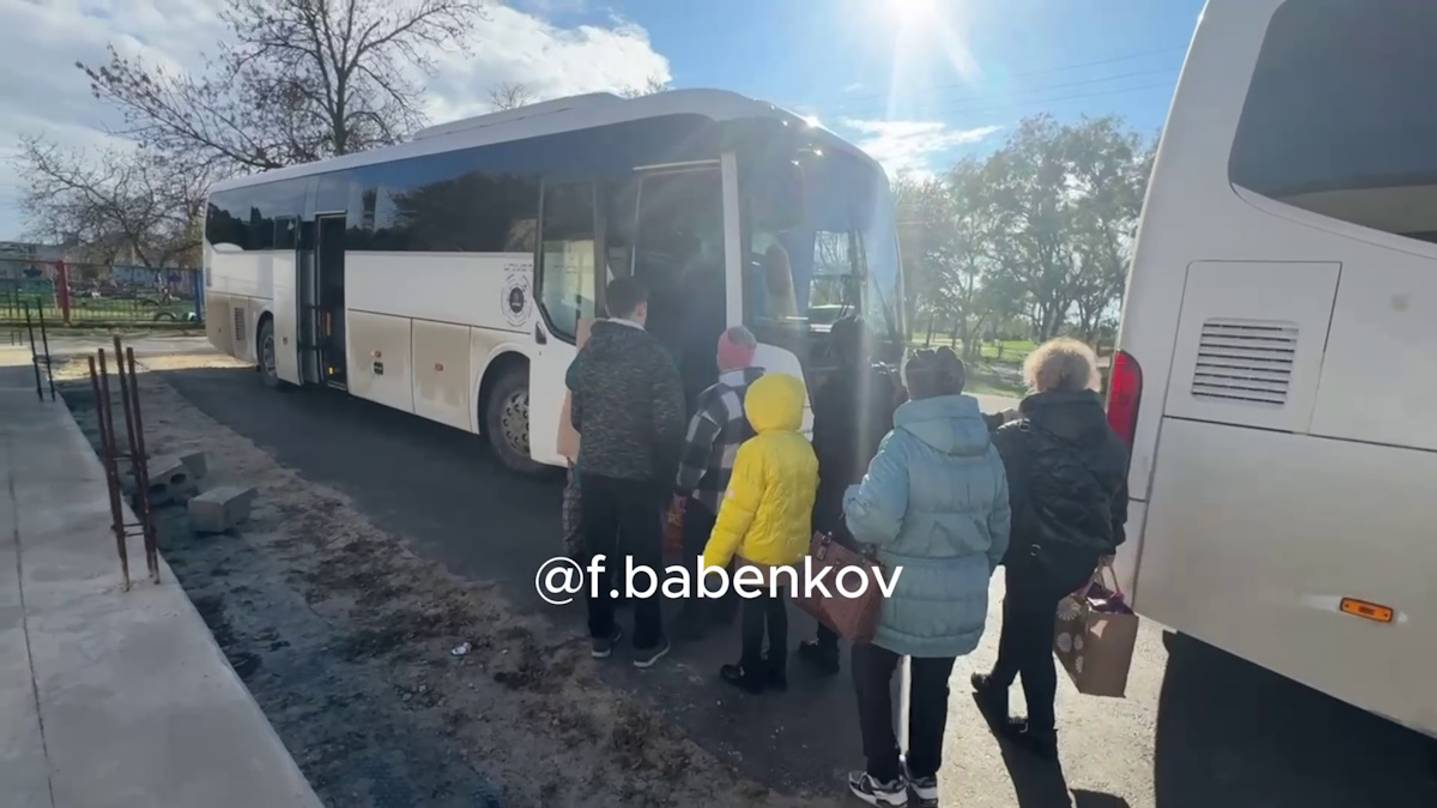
x: 1067, y: 482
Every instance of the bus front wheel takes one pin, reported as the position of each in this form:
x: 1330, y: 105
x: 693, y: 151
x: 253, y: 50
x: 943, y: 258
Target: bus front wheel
x: 506, y: 421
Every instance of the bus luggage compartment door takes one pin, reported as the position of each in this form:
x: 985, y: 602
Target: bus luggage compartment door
x: 1250, y: 340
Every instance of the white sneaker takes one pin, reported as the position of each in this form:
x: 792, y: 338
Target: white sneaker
x: 925, y: 789
x: 871, y: 791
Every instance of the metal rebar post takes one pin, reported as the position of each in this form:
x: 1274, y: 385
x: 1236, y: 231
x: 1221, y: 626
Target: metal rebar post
x: 34, y: 357
x: 152, y: 549
x: 49, y: 366
x: 137, y: 460
x: 104, y: 415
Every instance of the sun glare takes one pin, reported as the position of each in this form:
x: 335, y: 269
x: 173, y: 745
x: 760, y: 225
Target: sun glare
x: 930, y: 47
x: 915, y: 11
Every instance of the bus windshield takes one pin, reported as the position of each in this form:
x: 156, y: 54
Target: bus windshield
x: 819, y: 245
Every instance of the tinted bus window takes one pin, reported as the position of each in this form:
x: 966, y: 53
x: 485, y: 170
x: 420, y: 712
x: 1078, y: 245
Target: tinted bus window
x: 444, y: 202
x: 224, y: 221
x: 1340, y: 116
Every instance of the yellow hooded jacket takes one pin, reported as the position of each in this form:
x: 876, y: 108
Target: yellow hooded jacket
x: 766, y: 514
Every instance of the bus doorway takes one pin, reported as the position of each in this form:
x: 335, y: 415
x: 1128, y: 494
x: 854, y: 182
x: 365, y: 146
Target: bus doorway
x: 329, y: 300
x: 679, y: 256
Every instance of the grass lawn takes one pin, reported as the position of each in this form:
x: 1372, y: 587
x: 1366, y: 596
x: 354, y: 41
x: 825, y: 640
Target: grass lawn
x: 1008, y: 352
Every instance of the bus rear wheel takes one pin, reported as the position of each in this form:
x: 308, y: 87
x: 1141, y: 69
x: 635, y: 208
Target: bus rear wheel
x: 506, y: 421
x: 265, y: 354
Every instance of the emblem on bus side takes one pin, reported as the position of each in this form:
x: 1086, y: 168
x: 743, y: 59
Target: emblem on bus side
x: 514, y: 296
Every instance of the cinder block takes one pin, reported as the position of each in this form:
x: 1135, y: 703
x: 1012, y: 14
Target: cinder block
x: 196, y: 463
x: 220, y: 509
x: 169, y: 480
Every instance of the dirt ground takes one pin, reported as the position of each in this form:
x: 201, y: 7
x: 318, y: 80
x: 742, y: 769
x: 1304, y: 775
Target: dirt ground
x: 344, y: 638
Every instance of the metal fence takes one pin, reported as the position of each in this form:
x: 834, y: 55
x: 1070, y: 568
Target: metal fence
x: 100, y: 294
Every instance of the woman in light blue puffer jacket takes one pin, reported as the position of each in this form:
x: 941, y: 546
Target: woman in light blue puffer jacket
x: 935, y: 503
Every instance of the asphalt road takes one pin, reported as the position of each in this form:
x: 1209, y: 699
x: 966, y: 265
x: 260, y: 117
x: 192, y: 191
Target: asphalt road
x: 1198, y: 728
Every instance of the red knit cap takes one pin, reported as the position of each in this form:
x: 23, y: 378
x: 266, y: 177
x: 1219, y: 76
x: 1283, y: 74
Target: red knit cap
x: 735, y: 354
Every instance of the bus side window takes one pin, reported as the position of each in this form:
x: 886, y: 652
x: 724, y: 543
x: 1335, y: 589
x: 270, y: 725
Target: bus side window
x: 566, y: 256
x: 1339, y: 118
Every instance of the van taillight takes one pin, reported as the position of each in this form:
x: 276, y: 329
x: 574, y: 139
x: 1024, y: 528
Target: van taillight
x: 1125, y: 391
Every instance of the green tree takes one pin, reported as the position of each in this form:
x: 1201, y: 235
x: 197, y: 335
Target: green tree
x: 1110, y: 168
x: 1063, y: 201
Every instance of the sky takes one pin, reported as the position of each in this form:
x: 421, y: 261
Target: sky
x: 916, y: 83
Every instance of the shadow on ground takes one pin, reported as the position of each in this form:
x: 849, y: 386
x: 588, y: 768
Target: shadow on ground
x: 1232, y: 733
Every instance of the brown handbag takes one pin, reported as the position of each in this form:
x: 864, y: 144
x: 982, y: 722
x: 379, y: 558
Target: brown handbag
x: 856, y: 618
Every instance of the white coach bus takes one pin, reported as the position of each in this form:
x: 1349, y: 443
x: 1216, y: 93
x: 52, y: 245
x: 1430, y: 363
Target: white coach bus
x: 1278, y: 368
x: 448, y: 276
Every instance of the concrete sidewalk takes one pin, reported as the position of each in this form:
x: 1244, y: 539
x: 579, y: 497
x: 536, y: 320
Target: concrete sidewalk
x: 108, y: 698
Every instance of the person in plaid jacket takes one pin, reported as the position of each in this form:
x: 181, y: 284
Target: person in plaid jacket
x: 715, y: 431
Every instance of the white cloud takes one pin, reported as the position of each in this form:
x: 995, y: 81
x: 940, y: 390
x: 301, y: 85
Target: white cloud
x: 910, y: 146
x: 511, y: 46
x: 43, y: 92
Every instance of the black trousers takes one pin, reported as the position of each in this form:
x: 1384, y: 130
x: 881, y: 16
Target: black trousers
x: 770, y: 612
x: 610, y: 507
x: 927, y: 711
x: 1036, y: 581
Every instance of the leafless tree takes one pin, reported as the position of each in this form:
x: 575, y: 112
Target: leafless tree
x: 511, y: 95
x: 300, y: 80
x: 651, y: 85
x: 121, y: 201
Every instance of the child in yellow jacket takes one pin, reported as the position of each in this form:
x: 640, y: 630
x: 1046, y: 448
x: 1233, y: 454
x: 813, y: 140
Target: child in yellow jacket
x: 764, y: 521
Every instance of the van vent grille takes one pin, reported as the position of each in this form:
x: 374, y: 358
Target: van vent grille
x: 1245, y: 360
x: 239, y: 324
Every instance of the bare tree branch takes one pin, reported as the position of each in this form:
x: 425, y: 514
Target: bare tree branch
x: 302, y: 79
x: 133, y: 200
x: 511, y: 95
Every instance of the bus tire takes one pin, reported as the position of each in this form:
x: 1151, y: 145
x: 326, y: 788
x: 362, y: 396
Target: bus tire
x: 265, y: 357
x: 506, y: 421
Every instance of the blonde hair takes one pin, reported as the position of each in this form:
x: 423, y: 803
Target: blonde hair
x: 1062, y: 364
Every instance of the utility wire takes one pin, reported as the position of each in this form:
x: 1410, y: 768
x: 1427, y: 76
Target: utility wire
x: 1168, y: 71
x: 1057, y: 100
x: 1031, y: 73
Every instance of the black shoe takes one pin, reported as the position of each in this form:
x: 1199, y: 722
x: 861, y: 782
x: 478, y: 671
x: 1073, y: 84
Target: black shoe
x: 742, y: 678
x: 603, y: 647
x: 820, y: 658
x: 1042, y: 743
x: 992, y: 698
x: 646, y: 657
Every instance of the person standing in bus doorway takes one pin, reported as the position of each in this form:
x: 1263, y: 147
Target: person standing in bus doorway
x: 852, y: 411
x: 627, y: 406
x: 1067, y: 474
x: 935, y: 503
x: 716, y: 430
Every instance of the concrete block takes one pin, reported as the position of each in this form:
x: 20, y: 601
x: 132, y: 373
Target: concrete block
x: 220, y: 509
x: 169, y: 480
x: 196, y: 463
